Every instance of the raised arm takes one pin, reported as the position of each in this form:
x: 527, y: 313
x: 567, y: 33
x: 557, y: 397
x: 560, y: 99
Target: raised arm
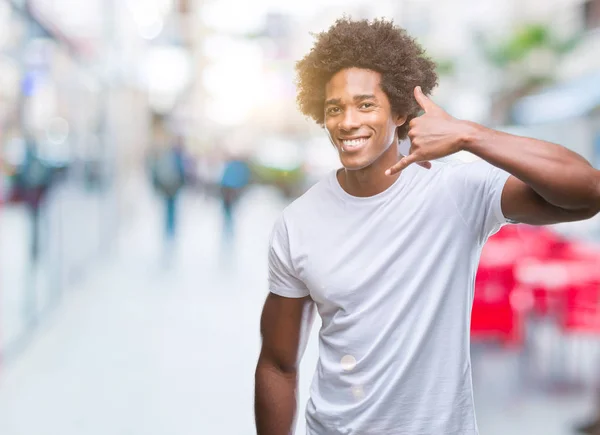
x: 285, y: 326
x: 549, y: 183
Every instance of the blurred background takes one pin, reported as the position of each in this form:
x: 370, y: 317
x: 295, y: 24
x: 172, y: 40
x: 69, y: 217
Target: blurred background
x: 147, y: 147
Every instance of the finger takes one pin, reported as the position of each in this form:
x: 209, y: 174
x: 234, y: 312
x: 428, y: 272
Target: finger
x: 402, y: 164
x: 424, y: 164
x: 426, y: 104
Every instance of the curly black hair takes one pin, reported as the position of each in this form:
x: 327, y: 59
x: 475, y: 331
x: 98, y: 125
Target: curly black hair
x: 377, y: 45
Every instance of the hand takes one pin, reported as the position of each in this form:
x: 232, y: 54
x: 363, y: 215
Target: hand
x: 433, y: 135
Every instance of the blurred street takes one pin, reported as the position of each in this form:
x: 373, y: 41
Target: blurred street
x: 142, y: 348
x: 148, y: 344
x: 148, y: 146
x: 69, y: 241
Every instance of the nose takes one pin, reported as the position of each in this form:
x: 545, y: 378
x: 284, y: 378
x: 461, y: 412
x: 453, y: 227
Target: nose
x: 350, y: 121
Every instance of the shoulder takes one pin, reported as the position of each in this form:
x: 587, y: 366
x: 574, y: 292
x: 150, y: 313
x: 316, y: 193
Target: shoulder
x: 468, y: 167
x: 474, y: 173
x: 301, y: 212
x: 456, y: 178
x: 455, y: 165
x: 314, y: 199
x: 421, y: 179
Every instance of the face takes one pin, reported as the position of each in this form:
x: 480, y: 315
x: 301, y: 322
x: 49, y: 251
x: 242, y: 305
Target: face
x: 358, y: 117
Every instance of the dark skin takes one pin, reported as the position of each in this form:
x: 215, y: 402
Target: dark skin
x: 357, y: 108
x: 549, y: 184
x: 282, y: 323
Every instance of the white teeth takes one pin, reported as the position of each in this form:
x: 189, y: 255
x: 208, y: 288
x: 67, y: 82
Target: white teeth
x: 354, y: 142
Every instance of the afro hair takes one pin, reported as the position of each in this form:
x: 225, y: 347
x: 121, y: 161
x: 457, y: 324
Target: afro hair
x: 376, y: 45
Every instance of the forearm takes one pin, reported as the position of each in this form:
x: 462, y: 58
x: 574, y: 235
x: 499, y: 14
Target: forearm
x: 275, y: 400
x: 560, y: 176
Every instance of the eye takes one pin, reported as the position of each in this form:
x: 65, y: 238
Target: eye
x: 332, y: 110
x: 366, y: 105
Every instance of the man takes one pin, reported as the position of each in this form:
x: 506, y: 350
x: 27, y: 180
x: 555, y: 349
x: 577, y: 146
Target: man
x: 168, y: 177
x: 33, y: 180
x: 388, y: 249
x: 234, y: 180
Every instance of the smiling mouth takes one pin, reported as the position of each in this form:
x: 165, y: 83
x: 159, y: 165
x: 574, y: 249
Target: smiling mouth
x: 353, y: 144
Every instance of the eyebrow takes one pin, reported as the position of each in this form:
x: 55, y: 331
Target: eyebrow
x: 356, y: 98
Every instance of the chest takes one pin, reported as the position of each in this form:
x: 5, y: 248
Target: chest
x: 353, y: 255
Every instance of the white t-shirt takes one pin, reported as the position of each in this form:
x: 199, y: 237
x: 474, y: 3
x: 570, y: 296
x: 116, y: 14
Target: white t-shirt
x: 392, y: 276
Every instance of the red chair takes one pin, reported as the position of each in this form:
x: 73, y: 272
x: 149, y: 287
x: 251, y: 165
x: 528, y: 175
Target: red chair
x: 494, y: 318
x: 548, y: 277
x: 497, y: 322
x: 546, y: 281
x: 525, y: 269
x: 582, y: 311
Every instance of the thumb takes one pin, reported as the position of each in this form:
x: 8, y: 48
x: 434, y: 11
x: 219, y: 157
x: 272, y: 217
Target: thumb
x: 426, y: 104
x: 403, y: 163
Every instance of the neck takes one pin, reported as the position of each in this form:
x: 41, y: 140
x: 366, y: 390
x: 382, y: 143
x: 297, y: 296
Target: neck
x: 371, y: 180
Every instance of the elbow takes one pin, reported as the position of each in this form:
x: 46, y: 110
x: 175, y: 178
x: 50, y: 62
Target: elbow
x: 276, y: 366
x: 592, y: 206
x: 591, y: 212
x: 595, y: 205
x: 268, y: 374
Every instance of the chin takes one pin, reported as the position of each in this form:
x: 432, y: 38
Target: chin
x: 355, y: 164
x: 366, y: 158
x: 358, y: 161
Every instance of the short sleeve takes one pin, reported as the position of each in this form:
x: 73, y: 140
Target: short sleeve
x: 282, y: 277
x: 476, y: 188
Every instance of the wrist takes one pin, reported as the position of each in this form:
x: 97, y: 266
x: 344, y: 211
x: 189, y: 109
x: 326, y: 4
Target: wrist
x: 470, y: 136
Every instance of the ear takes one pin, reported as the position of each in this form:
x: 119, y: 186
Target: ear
x: 400, y: 120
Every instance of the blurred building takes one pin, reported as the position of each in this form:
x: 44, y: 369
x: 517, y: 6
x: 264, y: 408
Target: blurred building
x: 568, y: 110
x: 75, y: 84
x: 85, y: 80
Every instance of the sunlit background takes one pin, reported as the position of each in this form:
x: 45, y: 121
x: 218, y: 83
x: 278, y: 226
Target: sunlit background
x: 147, y: 146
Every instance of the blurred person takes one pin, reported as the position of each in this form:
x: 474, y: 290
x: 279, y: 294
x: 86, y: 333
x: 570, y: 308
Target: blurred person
x: 33, y: 179
x: 168, y: 176
x: 234, y: 180
x: 387, y: 246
